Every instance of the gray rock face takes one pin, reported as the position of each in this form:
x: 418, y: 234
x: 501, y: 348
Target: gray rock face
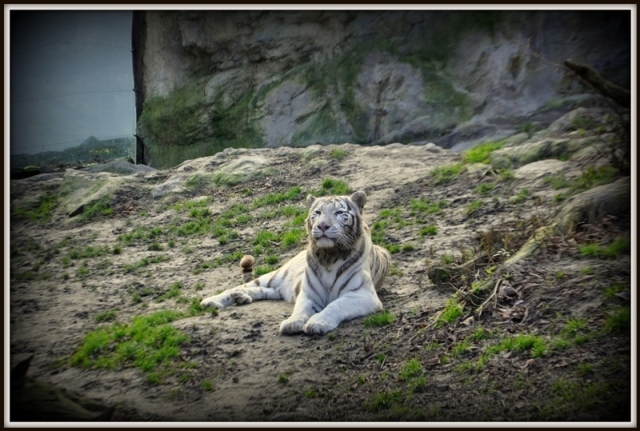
x: 219, y: 79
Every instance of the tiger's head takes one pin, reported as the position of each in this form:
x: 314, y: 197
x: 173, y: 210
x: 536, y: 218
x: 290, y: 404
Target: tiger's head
x: 335, y: 222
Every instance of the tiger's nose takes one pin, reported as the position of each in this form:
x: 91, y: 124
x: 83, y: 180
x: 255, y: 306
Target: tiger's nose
x: 323, y: 226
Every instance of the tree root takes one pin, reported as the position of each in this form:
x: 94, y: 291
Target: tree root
x: 600, y: 83
x: 587, y: 207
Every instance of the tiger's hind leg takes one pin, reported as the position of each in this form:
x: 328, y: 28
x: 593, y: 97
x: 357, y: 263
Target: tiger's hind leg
x: 244, y: 294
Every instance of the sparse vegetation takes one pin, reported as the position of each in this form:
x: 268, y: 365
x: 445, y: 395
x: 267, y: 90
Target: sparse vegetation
x: 149, y: 342
x: 381, y: 318
x: 444, y: 174
x: 485, y: 188
x: 617, y: 247
x: 450, y: 313
x: 207, y: 385
x: 473, y: 207
x: 42, y: 211
x: 106, y: 316
x: 100, y: 207
x: 429, y: 230
x: 339, y: 154
x: 332, y: 187
x: 481, y: 153
x: 522, y: 195
x: 462, y: 324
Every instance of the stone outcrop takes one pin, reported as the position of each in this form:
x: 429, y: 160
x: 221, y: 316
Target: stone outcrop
x: 210, y: 80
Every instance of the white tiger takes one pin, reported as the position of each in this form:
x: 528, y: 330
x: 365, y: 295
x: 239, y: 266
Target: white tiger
x: 333, y: 280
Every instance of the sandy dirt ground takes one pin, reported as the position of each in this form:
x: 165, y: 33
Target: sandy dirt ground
x: 235, y: 366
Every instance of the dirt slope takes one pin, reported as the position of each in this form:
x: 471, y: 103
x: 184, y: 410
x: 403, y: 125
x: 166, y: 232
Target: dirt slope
x: 552, y: 341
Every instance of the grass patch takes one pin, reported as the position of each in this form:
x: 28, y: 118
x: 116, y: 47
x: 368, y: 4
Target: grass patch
x: 616, y: 248
x: 485, y: 188
x: 611, y: 291
x: 283, y: 378
x: 481, y: 153
x: 293, y: 237
x: 174, y: 290
x: 519, y: 344
x: 190, y: 204
x: 106, y: 316
x: 558, y: 181
x: 429, y: 230
x: 310, y: 393
x: 507, y: 175
x: 332, y: 187
x: 43, y: 210
x: 473, y: 207
x: 521, y: 196
x: 339, y: 154
x: 590, y: 178
x: 381, y: 318
x: 451, y: 312
x: 88, y: 252
x: 619, y: 320
x: 263, y: 269
x: 594, y: 177
x: 411, y: 370
x: 567, y: 396
x: 447, y: 173
x: 148, y: 343
x: 383, y: 401
x: 278, y: 197
x: 100, y: 207
x: 144, y: 262
x: 426, y: 207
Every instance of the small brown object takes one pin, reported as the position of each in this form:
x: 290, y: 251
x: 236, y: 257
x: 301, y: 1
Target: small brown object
x: 246, y: 263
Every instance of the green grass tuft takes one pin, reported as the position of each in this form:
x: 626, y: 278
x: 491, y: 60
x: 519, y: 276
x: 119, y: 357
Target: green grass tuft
x: 100, y: 207
x: 444, y: 174
x: 332, y: 187
x: 451, y: 312
x: 339, y: 154
x: 429, y: 230
x: 481, y: 153
x: 410, y: 370
x: 485, y: 188
x: 106, y: 316
x: 619, y: 246
x: 379, y: 319
x: 473, y: 207
x: 278, y: 197
x: 619, y: 321
x: 43, y: 210
x: 383, y: 401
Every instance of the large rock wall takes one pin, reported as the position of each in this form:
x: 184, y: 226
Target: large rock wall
x: 217, y: 79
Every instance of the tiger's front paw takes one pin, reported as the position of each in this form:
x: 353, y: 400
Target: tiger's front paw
x: 241, y: 298
x: 293, y: 325
x: 212, y: 301
x: 318, y: 326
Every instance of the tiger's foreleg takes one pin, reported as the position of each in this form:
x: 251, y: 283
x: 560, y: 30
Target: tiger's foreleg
x: 242, y: 294
x: 352, y: 304
x: 307, y: 303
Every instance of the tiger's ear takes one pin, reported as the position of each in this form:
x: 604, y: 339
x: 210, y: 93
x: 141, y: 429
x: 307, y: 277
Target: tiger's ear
x: 360, y: 198
x: 310, y: 200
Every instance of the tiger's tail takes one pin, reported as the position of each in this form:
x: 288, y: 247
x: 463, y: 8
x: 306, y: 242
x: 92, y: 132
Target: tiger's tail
x: 246, y: 266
